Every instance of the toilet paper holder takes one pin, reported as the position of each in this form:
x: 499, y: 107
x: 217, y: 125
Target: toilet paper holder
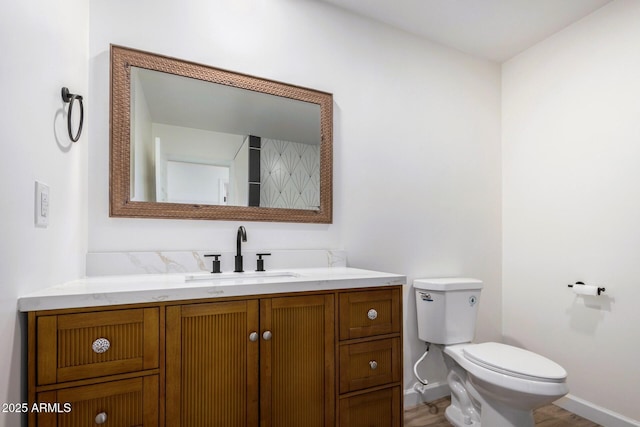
x: 599, y: 289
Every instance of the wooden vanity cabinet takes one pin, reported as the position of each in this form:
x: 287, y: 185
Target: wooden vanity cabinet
x: 212, y: 365
x: 92, y: 368
x: 267, y: 362
x: 370, y: 358
x: 313, y: 359
x: 78, y: 346
x: 129, y: 402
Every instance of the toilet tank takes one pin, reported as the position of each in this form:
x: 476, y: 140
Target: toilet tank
x: 447, y: 309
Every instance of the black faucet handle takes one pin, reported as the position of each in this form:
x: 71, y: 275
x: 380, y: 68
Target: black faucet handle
x: 215, y: 267
x: 260, y: 261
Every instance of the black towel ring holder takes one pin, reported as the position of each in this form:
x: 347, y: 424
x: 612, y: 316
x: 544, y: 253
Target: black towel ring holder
x: 70, y: 98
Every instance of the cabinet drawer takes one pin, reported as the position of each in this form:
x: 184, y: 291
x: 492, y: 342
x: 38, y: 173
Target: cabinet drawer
x: 369, y: 313
x: 369, y: 364
x: 380, y: 408
x: 125, y: 403
x: 88, y: 345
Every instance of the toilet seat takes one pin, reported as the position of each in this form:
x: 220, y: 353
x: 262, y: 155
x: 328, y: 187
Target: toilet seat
x: 514, y: 362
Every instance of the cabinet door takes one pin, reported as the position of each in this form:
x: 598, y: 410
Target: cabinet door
x: 370, y: 313
x: 212, y: 365
x: 380, y: 408
x: 297, y: 361
x: 88, y: 345
x: 125, y: 403
x: 370, y: 363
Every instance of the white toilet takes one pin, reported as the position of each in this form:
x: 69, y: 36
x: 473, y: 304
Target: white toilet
x: 492, y: 384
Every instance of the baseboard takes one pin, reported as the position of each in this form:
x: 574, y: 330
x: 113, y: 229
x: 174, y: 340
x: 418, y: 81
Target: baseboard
x: 432, y: 391
x: 595, y: 413
x: 585, y: 409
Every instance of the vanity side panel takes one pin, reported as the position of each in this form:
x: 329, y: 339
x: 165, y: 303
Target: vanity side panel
x: 173, y: 351
x: 47, y: 349
x: 31, y: 365
x: 151, y: 339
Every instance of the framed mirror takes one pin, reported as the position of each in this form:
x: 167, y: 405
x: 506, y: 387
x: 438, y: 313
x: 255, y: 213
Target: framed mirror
x: 190, y: 141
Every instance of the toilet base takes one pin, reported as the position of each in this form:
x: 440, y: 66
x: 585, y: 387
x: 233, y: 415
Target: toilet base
x: 505, y: 417
x: 499, y: 415
x: 454, y: 415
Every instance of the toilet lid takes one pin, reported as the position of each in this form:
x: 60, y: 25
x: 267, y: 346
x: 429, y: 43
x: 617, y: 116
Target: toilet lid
x: 515, y: 362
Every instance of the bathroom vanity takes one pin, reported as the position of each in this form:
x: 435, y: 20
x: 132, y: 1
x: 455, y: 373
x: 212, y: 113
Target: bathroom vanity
x: 312, y: 347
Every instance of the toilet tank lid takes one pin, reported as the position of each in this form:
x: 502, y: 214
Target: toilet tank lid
x: 447, y: 284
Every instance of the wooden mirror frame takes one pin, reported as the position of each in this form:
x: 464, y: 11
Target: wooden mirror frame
x: 121, y: 205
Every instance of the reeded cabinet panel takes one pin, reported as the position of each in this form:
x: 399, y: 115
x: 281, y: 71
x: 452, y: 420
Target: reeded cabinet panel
x: 125, y: 403
x: 218, y: 371
x: 89, y: 345
x: 297, y: 365
x: 212, y: 364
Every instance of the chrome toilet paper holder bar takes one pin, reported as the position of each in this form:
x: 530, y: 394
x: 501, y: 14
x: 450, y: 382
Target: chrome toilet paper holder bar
x: 600, y: 290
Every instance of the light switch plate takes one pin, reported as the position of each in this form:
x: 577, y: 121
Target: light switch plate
x: 42, y: 204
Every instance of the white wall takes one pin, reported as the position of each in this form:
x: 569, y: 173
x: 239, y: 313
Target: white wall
x: 571, y: 150
x: 44, y: 47
x: 419, y: 153
x: 236, y: 35
x: 416, y: 133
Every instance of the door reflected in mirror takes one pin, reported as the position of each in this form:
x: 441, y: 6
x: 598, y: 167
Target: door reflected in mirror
x: 194, y: 183
x: 192, y: 141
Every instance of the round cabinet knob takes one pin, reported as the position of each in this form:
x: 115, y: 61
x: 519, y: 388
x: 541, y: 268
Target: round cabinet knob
x: 372, y: 314
x: 101, y: 418
x: 253, y: 336
x: 373, y: 364
x: 266, y: 335
x: 101, y: 345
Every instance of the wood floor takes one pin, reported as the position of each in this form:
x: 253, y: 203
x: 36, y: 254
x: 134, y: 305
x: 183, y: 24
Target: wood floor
x: 432, y: 415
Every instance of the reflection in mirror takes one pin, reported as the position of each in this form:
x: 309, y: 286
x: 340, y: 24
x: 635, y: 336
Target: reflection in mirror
x: 200, y: 142
x: 211, y: 129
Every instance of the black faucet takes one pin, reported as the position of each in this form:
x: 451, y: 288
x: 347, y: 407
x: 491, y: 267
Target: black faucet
x: 242, y: 237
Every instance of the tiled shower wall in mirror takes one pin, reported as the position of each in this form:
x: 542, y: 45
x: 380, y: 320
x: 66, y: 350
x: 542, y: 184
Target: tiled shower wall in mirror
x: 289, y: 174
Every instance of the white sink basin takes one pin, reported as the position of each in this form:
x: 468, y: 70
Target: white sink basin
x: 192, y: 277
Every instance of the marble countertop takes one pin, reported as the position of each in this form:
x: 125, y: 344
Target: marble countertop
x: 150, y: 288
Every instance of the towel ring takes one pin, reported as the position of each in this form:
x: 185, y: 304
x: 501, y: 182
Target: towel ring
x: 70, y: 98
